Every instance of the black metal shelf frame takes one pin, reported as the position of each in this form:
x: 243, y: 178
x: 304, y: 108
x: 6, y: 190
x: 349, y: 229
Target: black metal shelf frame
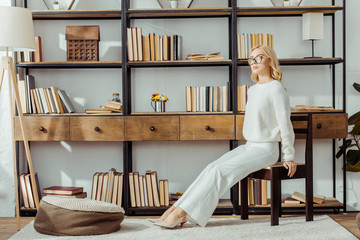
x: 232, y: 13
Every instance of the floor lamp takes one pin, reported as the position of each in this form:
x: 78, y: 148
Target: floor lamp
x: 17, y: 34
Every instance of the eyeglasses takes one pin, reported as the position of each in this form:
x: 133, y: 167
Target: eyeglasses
x: 258, y: 59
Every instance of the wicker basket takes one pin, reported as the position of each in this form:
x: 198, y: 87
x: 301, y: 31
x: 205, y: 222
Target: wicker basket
x: 82, y: 43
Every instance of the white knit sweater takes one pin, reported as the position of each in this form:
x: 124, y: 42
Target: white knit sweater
x: 267, y: 117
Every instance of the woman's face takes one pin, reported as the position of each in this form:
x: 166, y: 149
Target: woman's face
x: 259, y: 63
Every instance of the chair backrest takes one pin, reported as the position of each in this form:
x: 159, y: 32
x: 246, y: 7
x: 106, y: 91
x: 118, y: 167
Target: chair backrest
x: 302, y: 124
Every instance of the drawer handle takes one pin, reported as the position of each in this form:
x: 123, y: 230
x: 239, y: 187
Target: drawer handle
x: 207, y: 128
x: 152, y: 128
x: 318, y: 126
x: 97, y: 129
x: 41, y: 129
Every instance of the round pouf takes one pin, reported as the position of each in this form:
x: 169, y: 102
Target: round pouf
x: 64, y: 216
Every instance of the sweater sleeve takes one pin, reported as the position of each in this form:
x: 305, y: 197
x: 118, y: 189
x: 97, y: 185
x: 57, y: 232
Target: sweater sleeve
x: 282, y: 111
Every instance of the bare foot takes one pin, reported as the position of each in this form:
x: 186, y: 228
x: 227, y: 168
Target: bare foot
x: 175, y: 215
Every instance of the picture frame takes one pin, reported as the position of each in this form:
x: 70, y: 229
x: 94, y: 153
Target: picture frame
x: 64, y: 4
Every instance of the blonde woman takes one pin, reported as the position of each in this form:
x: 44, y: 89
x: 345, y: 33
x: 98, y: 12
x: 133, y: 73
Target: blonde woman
x: 267, y: 122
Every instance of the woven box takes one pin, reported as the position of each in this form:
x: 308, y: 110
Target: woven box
x: 82, y: 43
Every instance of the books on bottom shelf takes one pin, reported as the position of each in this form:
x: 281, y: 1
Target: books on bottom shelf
x: 108, y: 187
x: 28, y: 199
x: 208, y: 98
x: 63, y: 191
x: 147, y: 191
x: 314, y: 108
x: 257, y: 192
x: 301, y: 197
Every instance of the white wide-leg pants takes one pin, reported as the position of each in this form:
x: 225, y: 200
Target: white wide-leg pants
x: 201, y: 198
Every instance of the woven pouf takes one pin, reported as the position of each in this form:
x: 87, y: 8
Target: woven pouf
x: 63, y: 216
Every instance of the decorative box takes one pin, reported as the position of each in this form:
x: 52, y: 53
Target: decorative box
x: 82, y: 43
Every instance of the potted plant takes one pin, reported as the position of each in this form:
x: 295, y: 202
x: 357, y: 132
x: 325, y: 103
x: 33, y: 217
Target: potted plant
x: 56, y: 5
x: 174, y: 3
x: 352, y: 157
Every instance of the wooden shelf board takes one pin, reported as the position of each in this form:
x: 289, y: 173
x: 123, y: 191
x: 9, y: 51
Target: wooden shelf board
x: 300, y: 61
x: 288, y: 11
x: 178, y: 63
x: 328, y: 203
x: 70, y: 114
x: 179, y: 12
x: 318, y: 111
x: 75, y: 64
x: 76, y: 14
x: 180, y: 113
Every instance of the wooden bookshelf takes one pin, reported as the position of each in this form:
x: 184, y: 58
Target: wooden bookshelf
x: 179, y: 12
x: 76, y: 14
x: 329, y: 202
x: 285, y: 11
x: 75, y: 64
x: 178, y: 63
x: 300, y: 61
x: 181, y: 113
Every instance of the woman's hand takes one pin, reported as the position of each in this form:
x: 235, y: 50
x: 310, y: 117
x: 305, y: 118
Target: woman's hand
x: 291, y: 165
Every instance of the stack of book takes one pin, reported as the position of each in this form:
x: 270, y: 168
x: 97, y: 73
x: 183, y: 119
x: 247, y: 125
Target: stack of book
x: 41, y: 100
x: 205, y: 57
x: 71, y: 192
x: 175, y: 196
x: 147, y: 191
x: 31, y: 56
x: 242, y: 97
x: 246, y: 41
x: 153, y: 47
x: 27, y: 192
x: 301, y: 198
x: 208, y: 99
x: 313, y: 108
x: 257, y: 192
x: 108, y: 187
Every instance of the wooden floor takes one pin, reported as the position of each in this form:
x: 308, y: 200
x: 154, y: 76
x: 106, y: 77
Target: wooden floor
x: 8, y: 225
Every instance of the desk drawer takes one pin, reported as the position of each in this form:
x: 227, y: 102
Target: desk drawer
x: 239, y: 127
x: 97, y: 128
x: 207, y: 127
x: 143, y: 128
x: 332, y: 125
x: 43, y: 128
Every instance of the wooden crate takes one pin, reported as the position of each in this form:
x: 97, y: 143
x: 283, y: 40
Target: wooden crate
x: 82, y: 43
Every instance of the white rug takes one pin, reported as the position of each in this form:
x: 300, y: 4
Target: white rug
x: 323, y: 227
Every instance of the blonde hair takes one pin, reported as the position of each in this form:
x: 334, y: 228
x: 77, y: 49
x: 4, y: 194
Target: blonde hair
x: 275, y: 70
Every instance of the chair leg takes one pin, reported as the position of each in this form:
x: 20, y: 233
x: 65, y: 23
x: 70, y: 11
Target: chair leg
x: 244, y: 199
x: 275, y: 196
x: 309, y: 200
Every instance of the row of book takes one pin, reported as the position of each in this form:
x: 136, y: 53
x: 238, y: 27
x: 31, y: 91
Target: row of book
x: 246, y: 41
x: 63, y: 191
x: 242, y: 97
x: 147, y: 191
x: 153, y: 47
x: 42, y: 100
x: 26, y: 191
x: 31, y: 56
x: 207, y: 99
x: 108, y: 187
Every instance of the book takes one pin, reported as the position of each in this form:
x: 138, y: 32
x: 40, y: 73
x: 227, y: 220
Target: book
x: 66, y: 100
x: 132, y: 189
x: 114, y: 105
x: 142, y: 195
x: 94, y: 185
x: 301, y: 197
x: 24, y: 191
x: 130, y: 48
x: 314, y: 108
x: 137, y: 189
x: 62, y: 190
x: 162, y: 192
x: 38, y: 52
x: 111, y: 109
x: 166, y: 188
x: 155, y: 189
x: 94, y: 111
x: 99, y: 186
x: 110, y: 185
x: 115, y: 188
x: 149, y: 188
x: 104, y: 187
x: 205, y: 57
x: 77, y: 195
x: 120, y: 189
x: 291, y: 200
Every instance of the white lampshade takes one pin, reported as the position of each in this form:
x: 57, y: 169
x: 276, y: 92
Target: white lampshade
x: 17, y: 29
x: 313, y: 26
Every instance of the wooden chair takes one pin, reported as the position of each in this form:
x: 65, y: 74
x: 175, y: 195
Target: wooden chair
x: 275, y: 173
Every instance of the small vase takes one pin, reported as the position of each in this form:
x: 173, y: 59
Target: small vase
x: 56, y: 6
x: 158, y: 106
x: 174, y: 4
